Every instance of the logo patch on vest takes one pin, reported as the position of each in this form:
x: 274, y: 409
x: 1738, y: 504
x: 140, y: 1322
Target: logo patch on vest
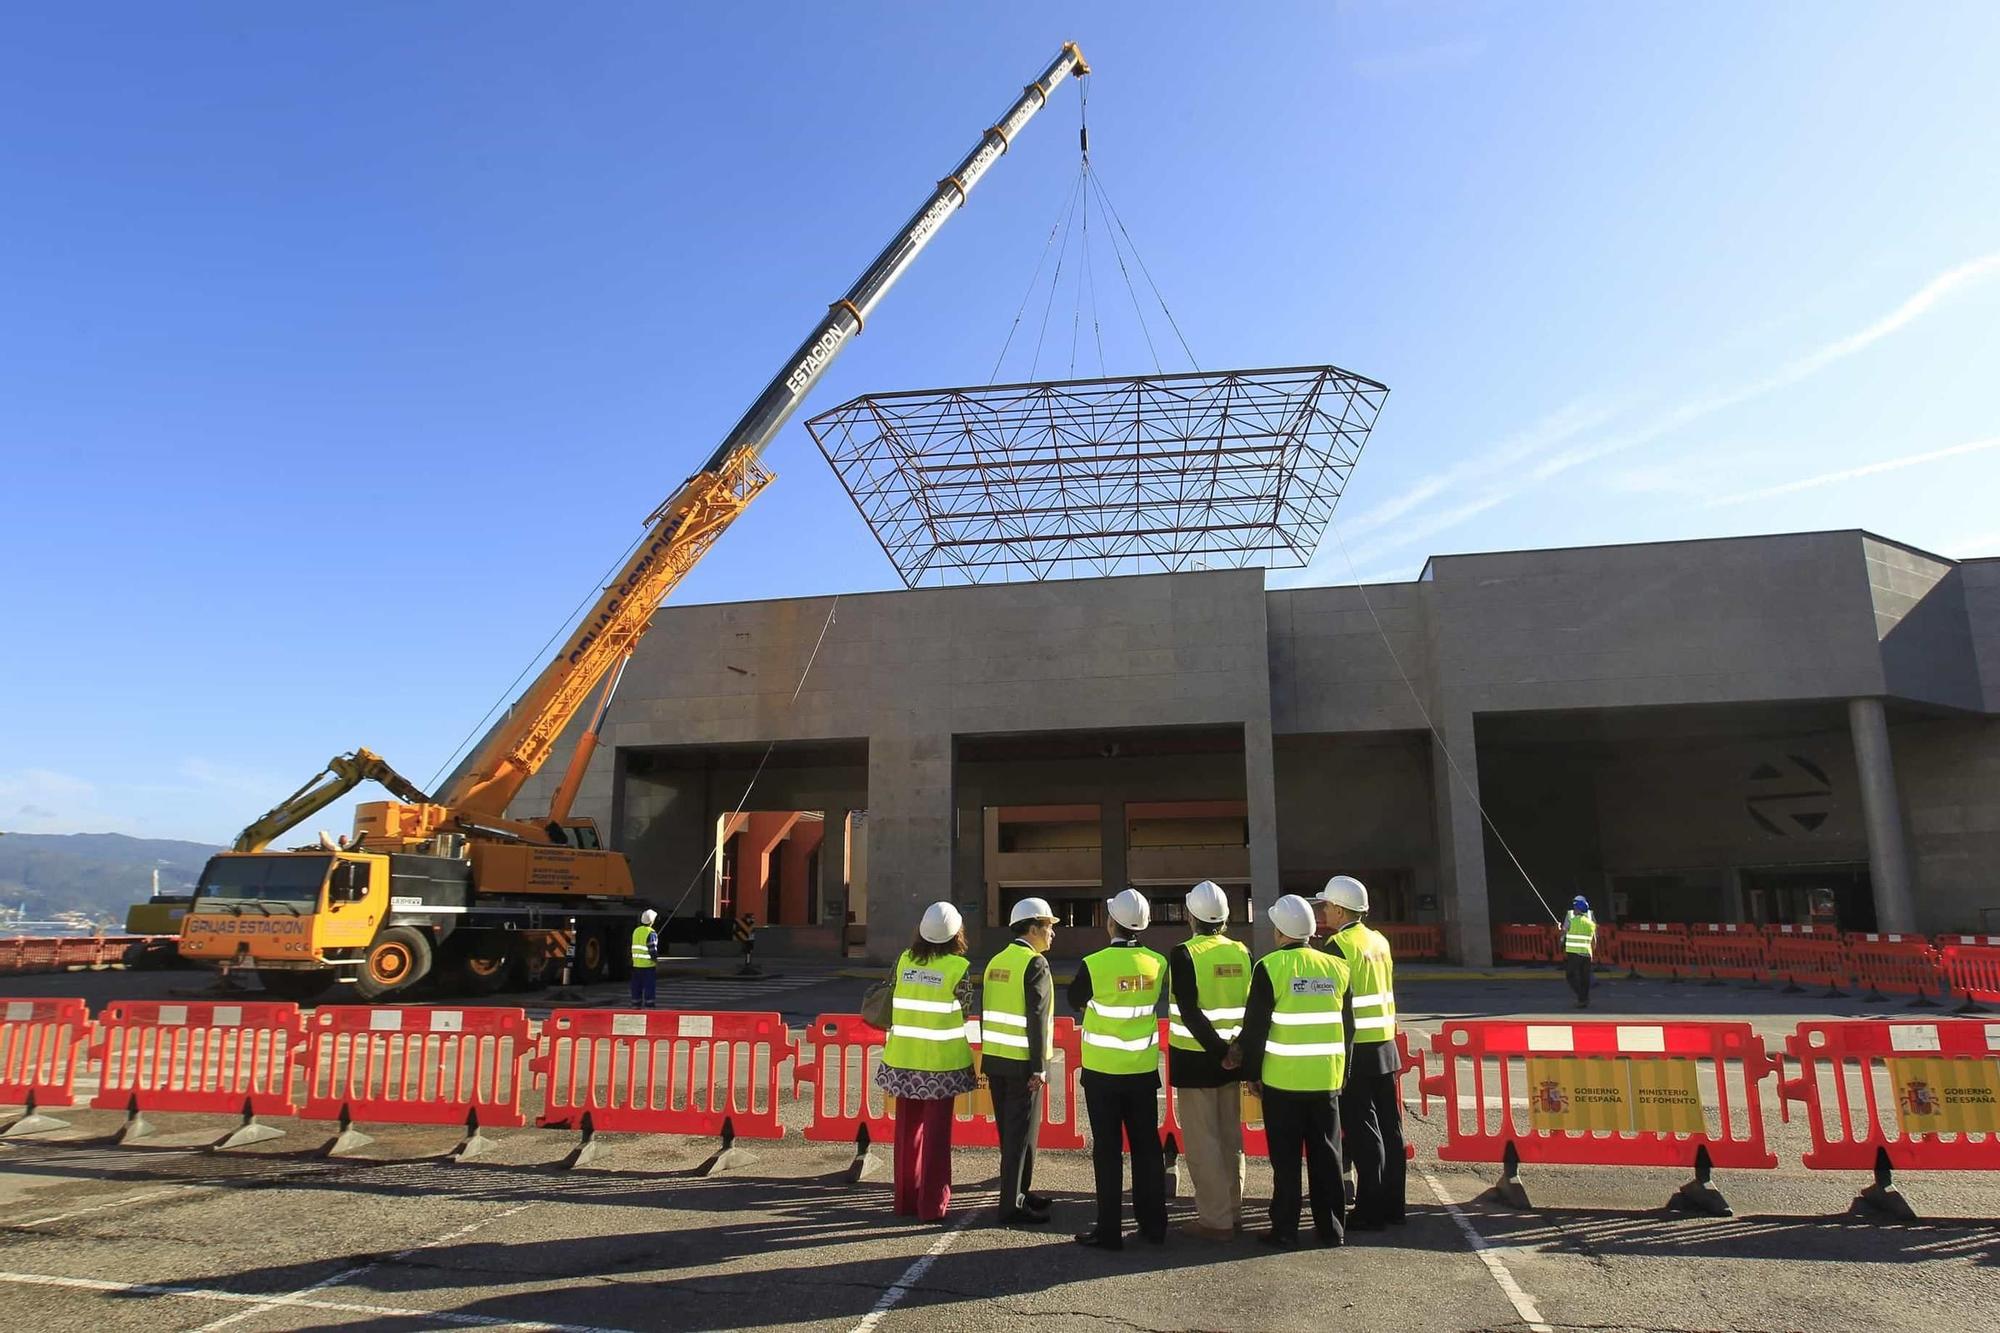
x: 1315, y: 986
x: 1000, y: 974
x: 1130, y: 984
x: 1228, y: 969
x: 923, y: 976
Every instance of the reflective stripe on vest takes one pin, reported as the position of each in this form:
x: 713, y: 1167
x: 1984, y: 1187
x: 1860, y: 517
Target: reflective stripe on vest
x: 1306, y: 1050
x: 1004, y: 1023
x: 927, y: 1029
x: 1221, y: 987
x: 1371, y: 972
x: 1121, y: 1027
x: 641, y: 955
x: 1578, y: 934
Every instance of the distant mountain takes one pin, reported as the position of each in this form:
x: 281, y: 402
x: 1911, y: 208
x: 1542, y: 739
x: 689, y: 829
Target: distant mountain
x: 96, y: 873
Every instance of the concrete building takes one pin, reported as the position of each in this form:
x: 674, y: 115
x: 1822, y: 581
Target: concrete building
x: 1705, y: 730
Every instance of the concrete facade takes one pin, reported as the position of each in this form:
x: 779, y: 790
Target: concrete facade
x: 1691, y: 726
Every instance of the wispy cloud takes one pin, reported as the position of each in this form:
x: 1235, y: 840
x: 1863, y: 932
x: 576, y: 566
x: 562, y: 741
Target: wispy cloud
x: 1855, y: 473
x: 1568, y: 439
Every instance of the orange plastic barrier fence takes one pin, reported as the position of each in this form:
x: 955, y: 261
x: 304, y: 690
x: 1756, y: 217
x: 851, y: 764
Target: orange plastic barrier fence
x: 1524, y: 942
x: 662, y: 1071
x: 1627, y: 1094
x: 1893, y: 965
x: 1973, y: 972
x: 215, y: 1058
x: 1980, y: 941
x: 415, y: 1065
x: 1661, y: 950
x: 1799, y: 960
x: 1731, y: 955
x: 1926, y: 1093
x: 25, y: 954
x: 42, y: 1042
x: 838, y: 1056
x: 1422, y: 942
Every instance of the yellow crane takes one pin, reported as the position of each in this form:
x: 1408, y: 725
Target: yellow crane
x: 451, y: 875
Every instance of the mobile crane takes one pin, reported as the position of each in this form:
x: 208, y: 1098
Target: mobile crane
x: 451, y: 876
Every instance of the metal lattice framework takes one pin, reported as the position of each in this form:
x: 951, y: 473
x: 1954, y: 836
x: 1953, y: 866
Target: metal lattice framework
x: 1106, y: 476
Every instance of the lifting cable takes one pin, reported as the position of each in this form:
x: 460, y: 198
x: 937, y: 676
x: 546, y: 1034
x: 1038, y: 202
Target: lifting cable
x: 715, y: 844
x: 1451, y: 760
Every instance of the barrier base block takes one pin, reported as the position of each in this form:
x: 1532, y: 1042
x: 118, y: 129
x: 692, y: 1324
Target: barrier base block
x: 1700, y: 1196
x: 867, y: 1165
x: 472, y: 1145
x: 248, y: 1133
x: 34, y: 1122
x: 135, y: 1128
x: 348, y: 1142
x: 1509, y: 1189
x: 1883, y: 1202
x: 728, y: 1159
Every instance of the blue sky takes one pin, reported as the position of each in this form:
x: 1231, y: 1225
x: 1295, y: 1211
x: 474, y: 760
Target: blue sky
x: 342, y: 348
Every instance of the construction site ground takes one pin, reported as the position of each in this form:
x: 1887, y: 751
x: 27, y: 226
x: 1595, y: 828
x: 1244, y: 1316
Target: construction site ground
x: 172, y: 1236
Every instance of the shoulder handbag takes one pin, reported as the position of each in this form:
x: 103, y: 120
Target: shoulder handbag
x: 878, y: 1005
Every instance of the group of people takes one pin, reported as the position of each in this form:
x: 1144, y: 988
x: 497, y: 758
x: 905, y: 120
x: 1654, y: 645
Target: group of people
x: 1308, y: 1029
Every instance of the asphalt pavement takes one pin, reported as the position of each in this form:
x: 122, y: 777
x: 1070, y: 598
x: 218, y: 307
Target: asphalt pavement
x: 274, y: 1237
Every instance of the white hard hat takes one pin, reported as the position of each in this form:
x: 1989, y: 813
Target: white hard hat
x: 941, y: 923
x: 1031, y: 909
x: 648, y: 917
x: 1345, y: 891
x: 1292, y: 917
x: 1207, y: 902
x: 1131, y: 910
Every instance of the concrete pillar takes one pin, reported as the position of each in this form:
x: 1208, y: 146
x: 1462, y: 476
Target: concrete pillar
x: 1111, y: 858
x: 1461, y: 843
x: 1260, y: 792
x: 910, y: 836
x: 832, y: 886
x: 1882, y: 810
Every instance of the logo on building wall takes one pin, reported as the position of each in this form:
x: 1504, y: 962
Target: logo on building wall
x: 1789, y: 796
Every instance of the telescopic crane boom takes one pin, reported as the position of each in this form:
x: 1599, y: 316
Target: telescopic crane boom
x: 476, y: 795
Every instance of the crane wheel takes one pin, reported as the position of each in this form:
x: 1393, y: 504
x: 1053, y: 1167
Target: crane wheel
x: 485, y: 965
x: 399, y: 958
x: 592, y: 956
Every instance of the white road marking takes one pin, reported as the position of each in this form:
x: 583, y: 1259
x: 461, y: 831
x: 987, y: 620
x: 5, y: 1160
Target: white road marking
x: 911, y: 1277
x: 1523, y: 1303
x: 348, y: 1275
x: 342, y: 1307
x: 106, y: 1207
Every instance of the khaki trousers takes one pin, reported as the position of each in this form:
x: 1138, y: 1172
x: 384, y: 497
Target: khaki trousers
x: 1212, y: 1139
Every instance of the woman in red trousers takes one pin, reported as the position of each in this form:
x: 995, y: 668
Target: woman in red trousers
x: 927, y: 1061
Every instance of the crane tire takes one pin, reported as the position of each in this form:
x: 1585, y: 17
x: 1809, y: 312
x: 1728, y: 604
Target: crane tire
x: 399, y: 958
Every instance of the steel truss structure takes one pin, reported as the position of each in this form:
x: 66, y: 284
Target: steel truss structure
x: 1076, y: 478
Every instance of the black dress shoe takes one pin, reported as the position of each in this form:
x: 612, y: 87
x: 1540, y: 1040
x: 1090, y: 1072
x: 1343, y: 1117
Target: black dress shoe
x: 1025, y: 1218
x: 1275, y: 1241
x: 1041, y: 1203
x: 1091, y: 1240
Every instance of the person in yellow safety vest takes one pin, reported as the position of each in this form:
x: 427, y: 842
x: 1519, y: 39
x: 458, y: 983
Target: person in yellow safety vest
x: 927, y: 1060
x: 1118, y: 991
x: 1371, y: 1102
x: 1579, y: 938
x: 1016, y: 1036
x: 645, y: 962
x: 1293, y: 1049
x: 1208, y: 977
